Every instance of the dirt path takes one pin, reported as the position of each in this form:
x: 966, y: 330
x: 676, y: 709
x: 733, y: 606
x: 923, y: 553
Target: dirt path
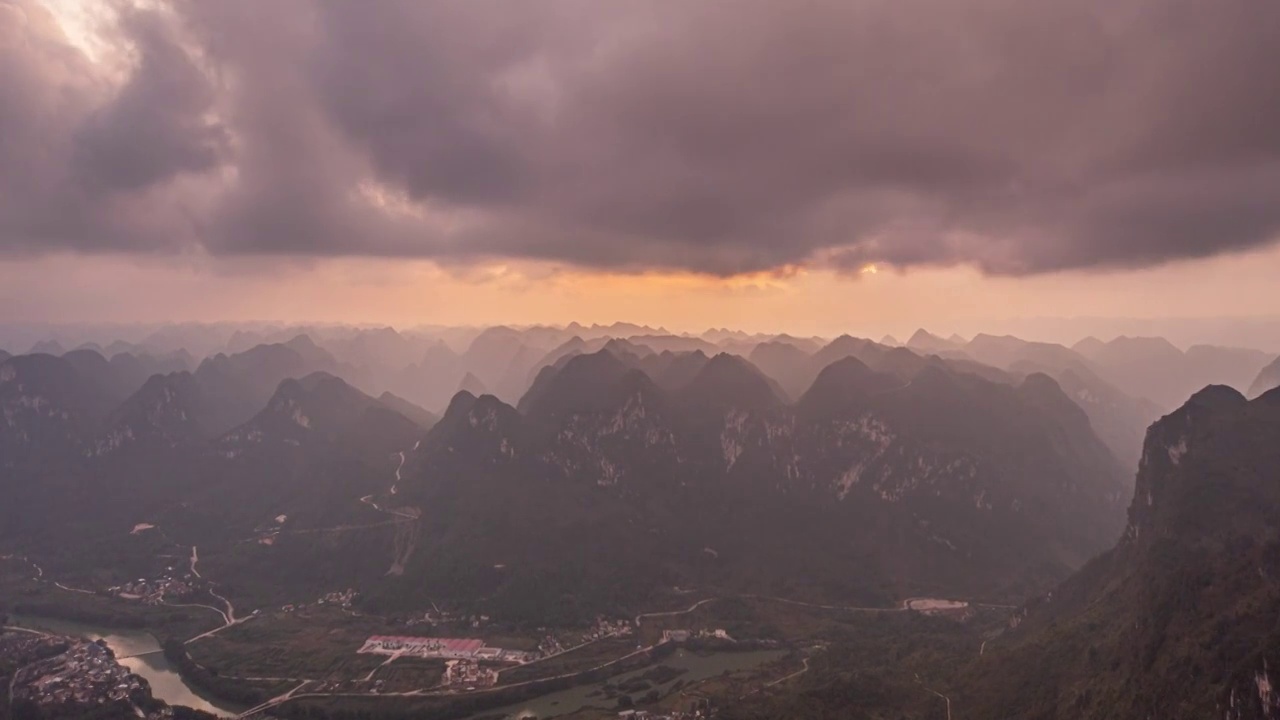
x: 903, y: 607
x: 399, y: 467
x: 225, y: 619
x: 796, y: 674
x: 82, y: 591
x: 374, y: 671
x: 673, y: 613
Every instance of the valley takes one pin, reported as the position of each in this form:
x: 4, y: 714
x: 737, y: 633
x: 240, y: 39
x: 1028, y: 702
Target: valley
x: 672, y: 532
x: 635, y: 360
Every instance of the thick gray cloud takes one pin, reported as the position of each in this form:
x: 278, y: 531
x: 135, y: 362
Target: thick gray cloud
x: 720, y: 135
x: 154, y: 128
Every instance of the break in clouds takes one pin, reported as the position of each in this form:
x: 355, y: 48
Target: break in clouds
x: 722, y: 137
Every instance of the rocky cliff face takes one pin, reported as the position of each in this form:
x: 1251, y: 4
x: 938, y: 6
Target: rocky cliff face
x: 1178, y: 620
x: 168, y: 410
x: 941, y: 478
x: 48, y: 410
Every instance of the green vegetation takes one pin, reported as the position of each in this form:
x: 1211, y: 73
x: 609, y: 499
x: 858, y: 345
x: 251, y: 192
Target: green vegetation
x: 406, y: 674
x: 1178, y: 620
x: 584, y: 658
x: 316, y: 644
x: 235, y: 690
x: 26, y: 597
x: 869, y: 667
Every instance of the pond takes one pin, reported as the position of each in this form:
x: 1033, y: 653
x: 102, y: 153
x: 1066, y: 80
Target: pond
x: 139, y: 651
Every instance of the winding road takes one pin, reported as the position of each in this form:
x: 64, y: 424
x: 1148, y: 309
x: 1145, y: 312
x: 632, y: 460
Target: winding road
x: 228, y: 613
x: 798, y: 673
x: 935, y: 692
x: 399, y: 467
x: 82, y: 591
x: 672, y: 613
x: 904, y: 606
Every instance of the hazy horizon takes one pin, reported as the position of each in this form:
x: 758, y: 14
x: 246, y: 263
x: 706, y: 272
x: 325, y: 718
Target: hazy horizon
x: 656, y: 434
x: 1260, y: 333
x: 724, y: 164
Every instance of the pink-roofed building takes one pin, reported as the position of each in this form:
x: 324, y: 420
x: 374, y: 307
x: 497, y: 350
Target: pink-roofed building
x: 452, y: 648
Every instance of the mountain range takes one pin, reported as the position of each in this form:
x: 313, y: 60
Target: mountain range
x: 622, y: 472
x: 686, y: 470
x: 909, y: 479
x: 1177, y: 620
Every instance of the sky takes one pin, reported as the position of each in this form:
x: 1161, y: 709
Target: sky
x: 809, y: 167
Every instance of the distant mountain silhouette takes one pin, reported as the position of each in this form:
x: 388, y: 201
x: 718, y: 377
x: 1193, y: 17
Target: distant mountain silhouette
x: 497, y: 355
x: 238, y: 385
x: 1268, y: 378
x: 783, y: 362
x: 1155, y: 369
x: 1120, y: 419
x: 924, y: 341
x: 47, y: 347
x: 424, y: 418
x: 472, y: 384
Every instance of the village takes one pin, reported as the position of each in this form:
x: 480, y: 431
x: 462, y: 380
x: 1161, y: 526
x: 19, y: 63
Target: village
x: 646, y: 715
x: 472, y: 649
x: 70, y: 672
x: 339, y: 598
x: 552, y: 644
x: 156, y: 590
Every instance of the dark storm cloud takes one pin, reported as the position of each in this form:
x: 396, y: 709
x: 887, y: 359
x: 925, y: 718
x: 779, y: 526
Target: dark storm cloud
x: 1019, y: 135
x: 88, y: 162
x: 154, y: 128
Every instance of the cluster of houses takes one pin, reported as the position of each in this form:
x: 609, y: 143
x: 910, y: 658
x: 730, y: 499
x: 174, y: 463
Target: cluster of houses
x: 469, y: 675
x: 154, y: 592
x: 680, y: 635
x: 603, y: 628
x: 338, y: 598
x: 341, y: 598
x: 268, y: 533
x: 86, y: 674
x: 444, y: 617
